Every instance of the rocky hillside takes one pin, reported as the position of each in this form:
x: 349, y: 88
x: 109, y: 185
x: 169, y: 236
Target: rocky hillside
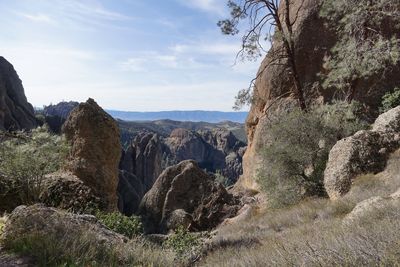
x: 314, y: 39
x: 149, y: 154
x: 15, y: 111
x: 55, y: 116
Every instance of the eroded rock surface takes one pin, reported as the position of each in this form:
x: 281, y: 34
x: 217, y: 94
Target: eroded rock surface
x: 25, y: 221
x: 185, y: 187
x: 95, y: 150
x: 15, y: 111
x: 364, y: 152
x: 314, y: 39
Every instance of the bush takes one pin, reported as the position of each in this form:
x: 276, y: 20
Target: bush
x: 368, y: 46
x: 182, y: 241
x: 220, y: 178
x: 24, y: 161
x: 295, y: 159
x: 390, y: 100
x: 2, y: 224
x: 128, y: 226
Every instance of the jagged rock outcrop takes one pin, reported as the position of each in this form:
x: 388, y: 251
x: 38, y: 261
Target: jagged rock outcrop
x: 150, y: 153
x: 130, y: 193
x: 140, y: 165
x: 185, y: 187
x: 313, y: 39
x: 15, y: 111
x: 56, y: 115
x: 29, y: 221
x: 215, y: 151
x: 364, y: 152
x: 95, y: 150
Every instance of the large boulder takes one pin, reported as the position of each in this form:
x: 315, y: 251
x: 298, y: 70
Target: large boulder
x: 95, y: 150
x: 376, y: 207
x: 187, y: 188
x: 313, y: 38
x: 64, y: 190
x: 364, y: 152
x: 15, y: 111
x: 38, y: 220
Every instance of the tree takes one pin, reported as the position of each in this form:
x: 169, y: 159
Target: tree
x: 264, y: 15
x: 368, y: 42
x: 294, y: 160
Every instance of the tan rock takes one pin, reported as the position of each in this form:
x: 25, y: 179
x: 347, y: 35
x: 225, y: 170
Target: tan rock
x: 96, y: 150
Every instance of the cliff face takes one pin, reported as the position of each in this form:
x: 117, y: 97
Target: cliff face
x: 313, y: 39
x: 15, y: 111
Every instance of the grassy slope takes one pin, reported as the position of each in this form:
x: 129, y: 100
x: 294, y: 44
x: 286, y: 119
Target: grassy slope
x: 312, y: 233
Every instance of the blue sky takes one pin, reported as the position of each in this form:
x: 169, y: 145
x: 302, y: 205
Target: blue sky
x: 138, y: 55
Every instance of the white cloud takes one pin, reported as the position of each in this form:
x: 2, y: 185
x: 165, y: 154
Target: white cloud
x: 211, y: 6
x: 37, y: 18
x: 93, y: 9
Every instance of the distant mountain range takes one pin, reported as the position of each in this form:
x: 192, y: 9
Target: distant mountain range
x: 195, y: 116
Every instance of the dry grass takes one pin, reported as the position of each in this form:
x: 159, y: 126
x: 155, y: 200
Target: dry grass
x: 312, y: 233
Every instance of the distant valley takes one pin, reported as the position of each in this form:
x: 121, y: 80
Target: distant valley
x: 195, y: 116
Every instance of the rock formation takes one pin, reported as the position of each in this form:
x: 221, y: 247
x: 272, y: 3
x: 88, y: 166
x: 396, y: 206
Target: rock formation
x: 364, y: 152
x: 313, y: 40
x: 26, y: 221
x: 149, y: 153
x: 15, y: 111
x: 215, y: 151
x: 187, y: 188
x: 65, y: 191
x: 56, y: 115
x: 95, y: 150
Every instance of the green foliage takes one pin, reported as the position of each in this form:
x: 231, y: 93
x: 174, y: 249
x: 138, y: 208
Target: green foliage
x: 364, y: 49
x: 295, y: 158
x: 220, y: 178
x: 182, y: 241
x: 391, y: 100
x: 2, y: 224
x: 128, y: 226
x: 24, y: 161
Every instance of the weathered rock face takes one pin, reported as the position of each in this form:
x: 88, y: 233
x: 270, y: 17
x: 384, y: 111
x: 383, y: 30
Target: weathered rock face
x: 130, y: 193
x: 214, y: 151
x: 184, y: 187
x: 43, y: 221
x: 95, y: 150
x: 149, y: 154
x: 313, y: 40
x: 140, y: 165
x: 375, y: 206
x: 15, y: 111
x: 364, y: 152
x: 66, y: 191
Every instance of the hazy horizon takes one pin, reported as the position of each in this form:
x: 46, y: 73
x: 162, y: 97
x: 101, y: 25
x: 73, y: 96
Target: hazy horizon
x: 144, y: 56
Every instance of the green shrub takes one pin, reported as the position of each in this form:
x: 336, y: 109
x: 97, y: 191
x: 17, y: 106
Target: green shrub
x: 128, y: 226
x: 25, y: 158
x: 390, y: 100
x: 296, y: 156
x: 220, y: 178
x: 368, y: 45
x: 182, y: 241
x: 2, y: 224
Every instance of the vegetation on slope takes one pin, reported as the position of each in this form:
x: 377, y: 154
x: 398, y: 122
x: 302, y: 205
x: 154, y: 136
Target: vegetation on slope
x: 25, y: 158
x: 296, y: 157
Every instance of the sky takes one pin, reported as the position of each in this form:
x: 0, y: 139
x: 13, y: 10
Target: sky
x: 132, y: 55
